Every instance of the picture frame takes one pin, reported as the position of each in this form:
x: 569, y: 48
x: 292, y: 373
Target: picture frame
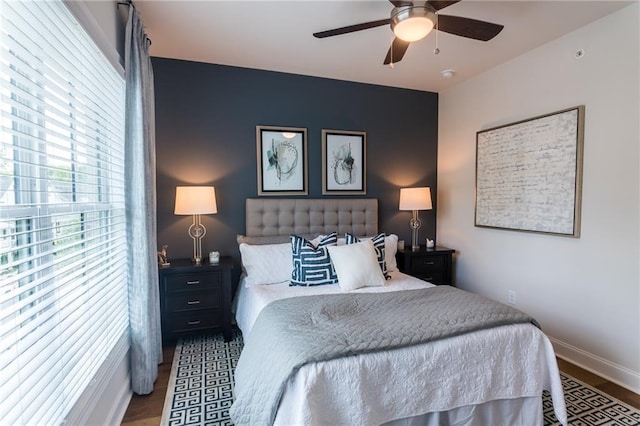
x: 344, y: 162
x: 281, y: 154
x: 529, y: 174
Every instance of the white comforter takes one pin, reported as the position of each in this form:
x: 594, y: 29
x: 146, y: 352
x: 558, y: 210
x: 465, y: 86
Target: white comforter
x: 514, y: 362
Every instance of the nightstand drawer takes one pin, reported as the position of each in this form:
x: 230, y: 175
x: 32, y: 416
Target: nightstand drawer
x: 192, y: 281
x: 194, y: 320
x: 422, y: 264
x: 436, y: 278
x: 184, y: 301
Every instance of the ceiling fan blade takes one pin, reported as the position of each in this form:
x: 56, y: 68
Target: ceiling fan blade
x: 396, y: 51
x: 351, y: 28
x: 467, y: 27
x: 437, y: 5
x: 400, y: 3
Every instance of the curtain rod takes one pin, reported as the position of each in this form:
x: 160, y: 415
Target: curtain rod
x: 130, y: 3
x: 127, y: 3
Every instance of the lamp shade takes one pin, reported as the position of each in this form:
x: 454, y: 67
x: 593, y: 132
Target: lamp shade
x: 195, y: 200
x: 415, y: 198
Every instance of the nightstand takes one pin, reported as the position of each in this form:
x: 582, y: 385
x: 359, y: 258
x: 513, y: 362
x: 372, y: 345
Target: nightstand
x: 195, y: 298
x: 433, y: 265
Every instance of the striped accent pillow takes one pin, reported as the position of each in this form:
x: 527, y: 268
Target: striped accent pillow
x: 312, y: 264
x: 378, y: 245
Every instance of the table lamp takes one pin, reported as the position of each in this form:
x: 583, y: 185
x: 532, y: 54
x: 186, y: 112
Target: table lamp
x: 196, y: 201
x: 415, y: 199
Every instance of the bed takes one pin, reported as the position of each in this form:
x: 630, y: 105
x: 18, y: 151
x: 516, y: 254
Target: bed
x: 493, y: 375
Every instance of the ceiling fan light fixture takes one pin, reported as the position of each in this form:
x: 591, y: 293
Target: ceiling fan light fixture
x: 412, y: 23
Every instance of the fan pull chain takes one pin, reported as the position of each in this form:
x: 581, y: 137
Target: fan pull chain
x: 436, y: 50
x: 391, y: 50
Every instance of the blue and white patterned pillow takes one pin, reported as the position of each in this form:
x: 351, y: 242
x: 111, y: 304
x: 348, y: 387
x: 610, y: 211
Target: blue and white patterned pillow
x: 378, y: 245
x: 312, y: 264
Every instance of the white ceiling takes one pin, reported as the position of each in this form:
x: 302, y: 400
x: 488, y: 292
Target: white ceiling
x: 277, y: 36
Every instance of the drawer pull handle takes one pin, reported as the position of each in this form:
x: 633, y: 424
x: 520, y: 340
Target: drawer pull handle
x: 196, y: 322
x: 193, y: 282
x: 193, y: 302
x: 428, y: 278
x: 429, y: 262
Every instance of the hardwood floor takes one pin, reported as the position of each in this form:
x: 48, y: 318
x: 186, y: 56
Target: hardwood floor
x: 147, y: 410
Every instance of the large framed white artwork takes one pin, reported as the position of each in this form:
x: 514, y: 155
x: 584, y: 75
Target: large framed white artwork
x: 529, y: 174
x: 281, y: 160
x: 344, y: 165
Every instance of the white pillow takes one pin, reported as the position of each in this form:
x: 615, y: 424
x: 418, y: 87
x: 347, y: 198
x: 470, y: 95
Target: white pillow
x: 266, y: 264
x: 356, y: 265
x: 390, y: 249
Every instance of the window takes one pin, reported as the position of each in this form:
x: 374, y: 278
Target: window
x: 63, y: 276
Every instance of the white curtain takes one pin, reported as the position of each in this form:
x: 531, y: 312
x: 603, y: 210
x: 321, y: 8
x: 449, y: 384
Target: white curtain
x: 140, y: 181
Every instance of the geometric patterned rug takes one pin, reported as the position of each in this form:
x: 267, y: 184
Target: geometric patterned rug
x: 200, y: 389
x: 588, y: 406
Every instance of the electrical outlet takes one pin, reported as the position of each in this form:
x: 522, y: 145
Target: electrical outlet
x: 511, y: 297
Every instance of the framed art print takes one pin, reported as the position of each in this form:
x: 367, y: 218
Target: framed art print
x: 344, y: 164
x: 529, y: 174
x: 281, y: 160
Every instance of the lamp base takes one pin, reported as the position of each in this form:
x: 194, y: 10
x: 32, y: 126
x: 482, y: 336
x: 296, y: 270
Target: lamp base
x: 197, y: 231
x: 415, y: 224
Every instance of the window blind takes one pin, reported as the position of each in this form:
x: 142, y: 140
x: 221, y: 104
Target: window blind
x: 63, y: 277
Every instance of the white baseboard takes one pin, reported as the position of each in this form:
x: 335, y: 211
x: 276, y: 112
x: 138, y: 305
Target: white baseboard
x: 606, y: 369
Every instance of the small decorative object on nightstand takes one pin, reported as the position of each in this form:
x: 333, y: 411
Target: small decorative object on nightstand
x: 195, y: 298
x: 429, y: 264
x: 163, y: 257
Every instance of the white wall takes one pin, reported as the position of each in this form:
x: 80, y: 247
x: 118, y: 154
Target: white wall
x: 586, y: 291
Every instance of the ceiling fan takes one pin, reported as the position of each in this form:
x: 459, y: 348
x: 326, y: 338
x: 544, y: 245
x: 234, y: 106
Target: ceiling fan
x: 413, y: 20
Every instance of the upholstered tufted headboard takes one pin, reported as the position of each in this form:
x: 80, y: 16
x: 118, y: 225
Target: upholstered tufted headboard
x: 308, y: 216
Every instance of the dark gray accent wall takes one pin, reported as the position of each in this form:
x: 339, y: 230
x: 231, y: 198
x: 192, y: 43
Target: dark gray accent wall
x: 206, y: 118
